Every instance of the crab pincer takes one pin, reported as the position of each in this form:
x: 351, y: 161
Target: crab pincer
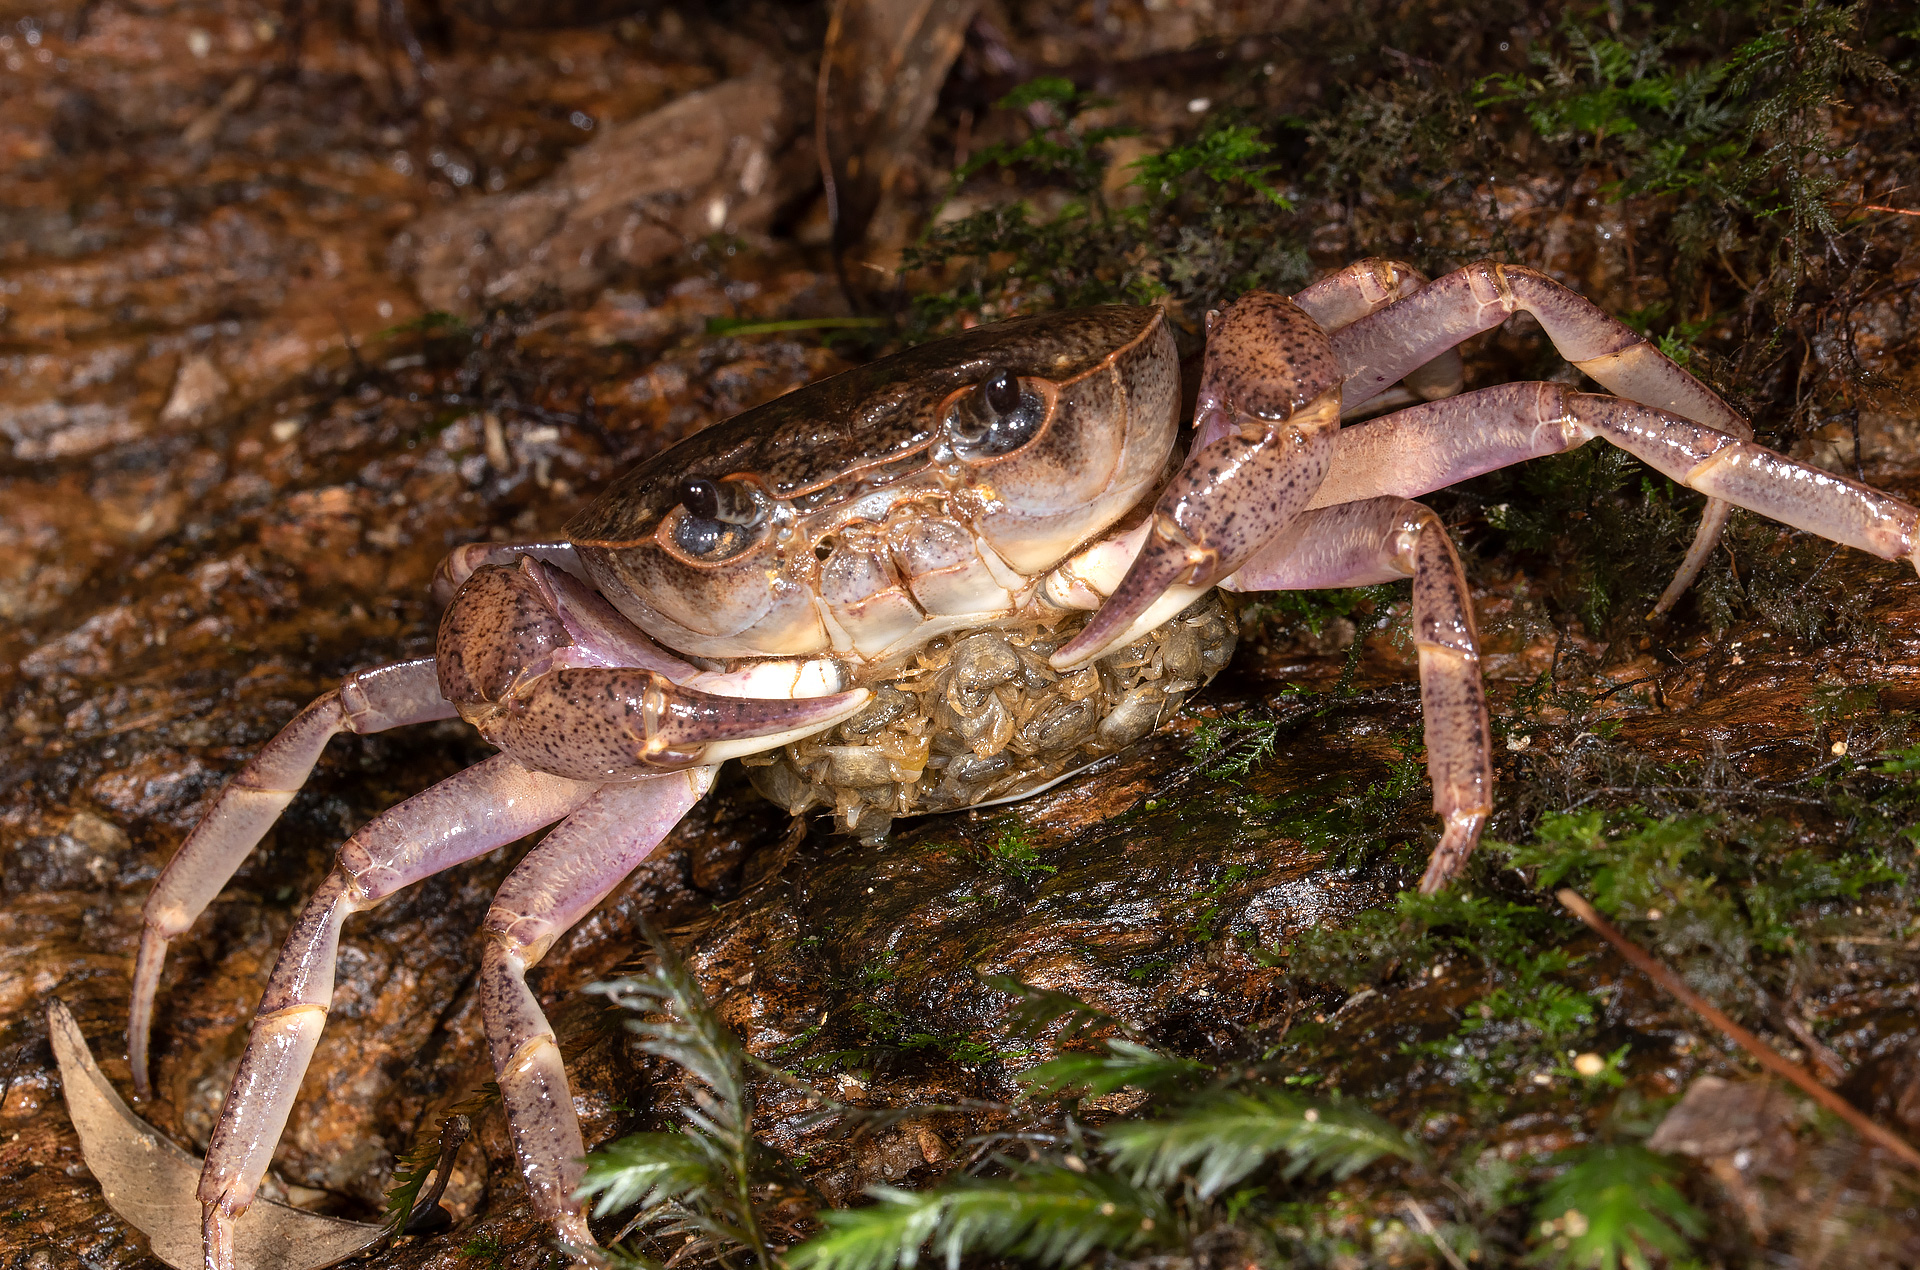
x: 1268, y: 409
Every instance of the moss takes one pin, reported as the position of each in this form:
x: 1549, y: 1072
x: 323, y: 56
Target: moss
x: 1013, y: 855
x: 1198, y: 228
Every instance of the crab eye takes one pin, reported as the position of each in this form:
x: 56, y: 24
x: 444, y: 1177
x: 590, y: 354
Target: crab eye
x: 721, y: 518
x: 1001, y: 393
x: 999, y: 416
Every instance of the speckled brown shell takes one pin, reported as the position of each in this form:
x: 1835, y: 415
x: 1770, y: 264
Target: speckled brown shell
x: 863, y: 418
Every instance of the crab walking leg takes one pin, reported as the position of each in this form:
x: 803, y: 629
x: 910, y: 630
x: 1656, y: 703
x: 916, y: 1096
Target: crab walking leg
x: 559, y: 882
x: 1758, y: 479
x: 1380, y: 349
x: 1270, y: 393
x: 486, y: 806
x: 1429, y: 447
x: 1383, y: 540
x: 1365, y: 287
x: 1435, y: 445
x: 366, y: 701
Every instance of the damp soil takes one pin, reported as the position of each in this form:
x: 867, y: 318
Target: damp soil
x: 240, y: 436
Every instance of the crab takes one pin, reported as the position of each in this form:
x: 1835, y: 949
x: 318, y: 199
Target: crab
x: 951, y: 577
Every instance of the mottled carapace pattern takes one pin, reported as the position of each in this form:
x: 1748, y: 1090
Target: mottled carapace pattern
x: 858, y: 420
x: 837, y: 464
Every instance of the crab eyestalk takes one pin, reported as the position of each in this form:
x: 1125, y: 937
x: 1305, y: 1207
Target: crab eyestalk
x: 718, y: 518
x: 727, y: 501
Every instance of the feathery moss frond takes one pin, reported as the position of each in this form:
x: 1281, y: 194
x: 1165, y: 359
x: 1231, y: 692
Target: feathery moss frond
x: 678, y: 1025
x: 699, y: 1181
x: 1096, y: 1075
x: 1048, y: 1214
x: 650, y: 1169
x: 1039, y: 1008
x: 1616, y: 1204
x: 1224, y: 1137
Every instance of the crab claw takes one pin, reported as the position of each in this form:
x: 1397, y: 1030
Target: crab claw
x: 602, y: 723
x: 548, y: 671
x: 151, y: 1183
x: 1268, y: 408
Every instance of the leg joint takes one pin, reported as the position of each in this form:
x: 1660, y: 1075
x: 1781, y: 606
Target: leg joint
x: 1487, y: 283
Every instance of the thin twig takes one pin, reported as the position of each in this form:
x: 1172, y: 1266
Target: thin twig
x: 1426, y: 1225
x: 561, y: 417
x: 1770, y: 794
x: 1645, y: 963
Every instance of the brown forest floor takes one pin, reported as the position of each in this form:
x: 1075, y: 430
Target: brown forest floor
x: 234, y: 457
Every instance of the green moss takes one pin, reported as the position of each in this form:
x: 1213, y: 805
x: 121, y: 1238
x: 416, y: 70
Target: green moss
x: 485, y: 1248
x: 1198, y: 229
x: 1011, y: 854
x: 1612, y: 1207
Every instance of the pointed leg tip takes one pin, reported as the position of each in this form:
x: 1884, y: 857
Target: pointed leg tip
x: 1449, y: 859
x: 1158, y: 569
x: 1670, y: 597
x: 216, y: 1235
x: 1078, y: 650
x: 576, y: 1241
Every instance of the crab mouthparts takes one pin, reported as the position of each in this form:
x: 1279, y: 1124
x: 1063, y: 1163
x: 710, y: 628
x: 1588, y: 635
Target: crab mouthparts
x: 152, y: 1184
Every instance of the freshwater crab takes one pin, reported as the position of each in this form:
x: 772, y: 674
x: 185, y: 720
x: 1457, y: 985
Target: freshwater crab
x: 950, y: 577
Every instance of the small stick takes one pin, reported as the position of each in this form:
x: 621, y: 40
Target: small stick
x: 1644, y: 962
x: 1427, y: 1228
x: 1877, y: 207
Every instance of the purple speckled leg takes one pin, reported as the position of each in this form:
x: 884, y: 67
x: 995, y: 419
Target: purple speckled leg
x: 1383, y: 540
x: 1270, y: 399
x: 366, y: 701
x: 1435, y: 445
x: 487, y: 806
x: 1380, y: 349
x: 1431, y: 446
x: 1737, y: 471
x: 1378, y: 539
x: 1364, y: 288
x: 558, y: 883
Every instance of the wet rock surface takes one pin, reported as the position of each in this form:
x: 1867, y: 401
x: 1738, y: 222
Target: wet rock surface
x: 236, y: 453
